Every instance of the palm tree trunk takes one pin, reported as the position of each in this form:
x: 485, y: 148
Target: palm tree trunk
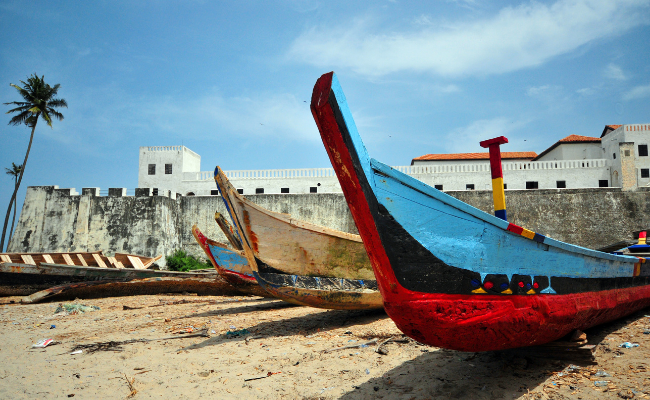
x: 13, y: 221
x: 20, y: 178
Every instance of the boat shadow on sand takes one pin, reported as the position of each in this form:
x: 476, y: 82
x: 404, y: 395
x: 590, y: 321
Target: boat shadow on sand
x: 320, y: 321
x: 505, y: 374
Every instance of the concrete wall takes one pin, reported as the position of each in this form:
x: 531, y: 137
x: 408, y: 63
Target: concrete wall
x: 574, y: 151
x: 56, y: 220
x: 53, y: 220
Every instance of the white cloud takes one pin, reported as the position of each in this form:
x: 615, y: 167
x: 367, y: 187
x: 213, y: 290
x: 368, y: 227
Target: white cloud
x: 637, y: 93
x: 466, y: 139
x: 613, y: 71
x: 516, y: 37
x: 534, y: 91
x: 586, y: 91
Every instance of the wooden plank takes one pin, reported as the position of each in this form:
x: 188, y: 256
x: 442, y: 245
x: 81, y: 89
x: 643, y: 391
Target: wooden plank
x: 81, y: 258
x: 136, y: 262
x: 123, y: 260
x: 115, y: 263
x: 147, y: 263
x: 48, y: 259
x: 98, y: 260
x: 5, y: 258
x: 67, y: 259
x: 27, y: 259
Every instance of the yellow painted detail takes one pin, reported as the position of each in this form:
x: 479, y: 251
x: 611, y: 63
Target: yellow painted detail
x: 531, y: 291
x: 479, y: 291
x: 642, y: 240
x: 507, y: 291
x: 498, y: 194
x: 527, y: 233
x: 637, y: 269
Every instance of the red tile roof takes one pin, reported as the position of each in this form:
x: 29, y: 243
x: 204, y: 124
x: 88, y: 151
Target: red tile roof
x: 579, y: 139
x: 569, y: 139
x: 609, y: 128
x: 477, y: 156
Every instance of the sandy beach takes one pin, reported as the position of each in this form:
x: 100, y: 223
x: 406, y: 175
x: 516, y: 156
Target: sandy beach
x: 267, y: 349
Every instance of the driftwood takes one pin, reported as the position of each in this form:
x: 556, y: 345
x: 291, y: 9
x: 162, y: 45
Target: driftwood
x: 394, y: 340
x: 352, y: 346
x: 117, y: 345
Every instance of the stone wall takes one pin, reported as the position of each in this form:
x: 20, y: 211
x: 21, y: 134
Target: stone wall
x: 56, y: 220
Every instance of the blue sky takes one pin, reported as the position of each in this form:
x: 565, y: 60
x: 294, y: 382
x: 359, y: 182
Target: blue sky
x: 232, y: 80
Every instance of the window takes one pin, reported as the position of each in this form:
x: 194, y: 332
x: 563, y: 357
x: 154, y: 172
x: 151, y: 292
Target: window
x: 603, y: 183
x: 643, y: 150
x: 614, y: 156
x: 439, y: 187
x: 627, y: 153
x: 560, y: 184
x: 284, y: 190
x: 645, y: 173
x: 190, y: 194
x: 214, y: 192
x: 259, y: 191
x: 155, y: 190
x: 152, y: 169
x: 240, y: 191
x: 168, y: 169
x: 505, y: 186
x: 313, y: 189
x: 469, y: 186
x: 531, y: 185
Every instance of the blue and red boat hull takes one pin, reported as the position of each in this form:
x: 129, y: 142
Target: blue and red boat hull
x: 455, y: 277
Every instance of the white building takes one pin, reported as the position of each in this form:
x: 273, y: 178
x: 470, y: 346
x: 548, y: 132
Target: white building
x: 619, y: 158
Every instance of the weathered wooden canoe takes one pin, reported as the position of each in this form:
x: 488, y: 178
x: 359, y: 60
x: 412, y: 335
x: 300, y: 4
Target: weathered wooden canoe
x: 81, y: 259
x: 25, y: 279
x: 324, y: 291
x: 231, y: 264
x: 292, y: 246
x: 456, y: 277
x: 201, y: 284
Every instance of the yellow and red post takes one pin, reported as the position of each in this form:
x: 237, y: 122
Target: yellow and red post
x: 498, y: 192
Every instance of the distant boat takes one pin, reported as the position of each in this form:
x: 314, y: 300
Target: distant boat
x: 301, y: 262
x: 47, y: 280
x: 81, y: 259
x: 456, y: 277
x: 231, y: 264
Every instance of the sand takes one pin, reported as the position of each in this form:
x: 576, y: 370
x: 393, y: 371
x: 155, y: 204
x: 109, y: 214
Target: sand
x: 285, y: 346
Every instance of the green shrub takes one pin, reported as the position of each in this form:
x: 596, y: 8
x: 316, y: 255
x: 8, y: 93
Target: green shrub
x: 181, y: 261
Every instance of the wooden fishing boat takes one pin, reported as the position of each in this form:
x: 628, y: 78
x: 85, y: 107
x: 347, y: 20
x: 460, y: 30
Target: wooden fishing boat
x: 298, y: 262
x: 231, y: 264
x: 25, y: 279
x: 292, y: 246
x: 456, y: 277
x: 81, y: 259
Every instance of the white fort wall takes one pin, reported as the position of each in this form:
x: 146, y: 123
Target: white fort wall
x: 575, y: 173
x: 186, y: 178
x: 58, y: 220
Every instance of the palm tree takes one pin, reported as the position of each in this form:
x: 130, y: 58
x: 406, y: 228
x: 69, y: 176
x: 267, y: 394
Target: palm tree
x: 39, y: 101
x: 13, y: 171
